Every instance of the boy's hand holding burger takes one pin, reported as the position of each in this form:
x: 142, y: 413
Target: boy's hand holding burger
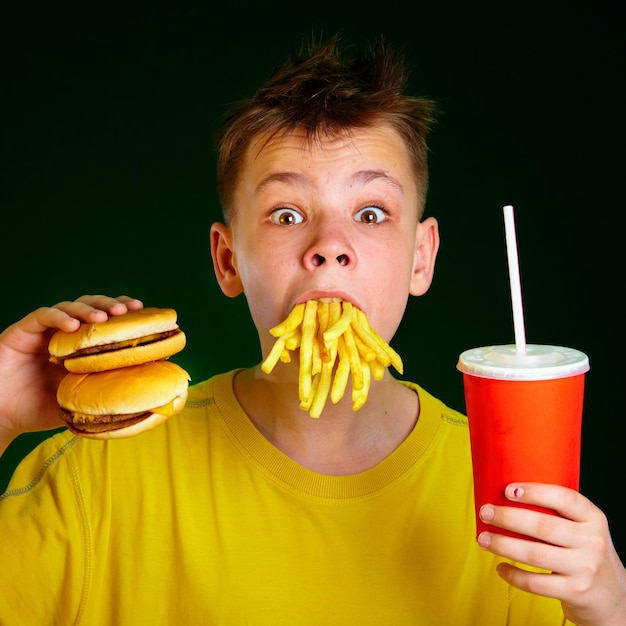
x: 29, y: 381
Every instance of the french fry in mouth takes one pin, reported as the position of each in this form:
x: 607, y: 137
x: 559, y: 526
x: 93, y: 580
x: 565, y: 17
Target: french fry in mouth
x: 336, y: 342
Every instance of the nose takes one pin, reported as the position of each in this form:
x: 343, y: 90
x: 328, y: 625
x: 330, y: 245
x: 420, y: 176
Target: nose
x: 317, y: 259
x: 330, y: 248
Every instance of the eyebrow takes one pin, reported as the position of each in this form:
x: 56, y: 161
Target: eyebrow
x: 365, y: 176
x: 362, y: 177
x: 288, y: 178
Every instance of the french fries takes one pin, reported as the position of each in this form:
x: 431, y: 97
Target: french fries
x: 336, y: 342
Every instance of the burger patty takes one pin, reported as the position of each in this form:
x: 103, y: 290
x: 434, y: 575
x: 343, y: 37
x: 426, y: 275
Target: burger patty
x: 127, y: 343
x: 100, y: 423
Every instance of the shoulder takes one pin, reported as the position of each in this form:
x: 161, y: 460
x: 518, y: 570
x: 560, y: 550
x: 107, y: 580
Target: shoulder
x: 39, y: 462
x: 430, y: 405
x: 66, y: 458
x: 210, y: 391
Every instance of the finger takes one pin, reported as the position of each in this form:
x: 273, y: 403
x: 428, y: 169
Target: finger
x: 544, y: 526
x: 80, y: 311
x: 112, y: 306
x: 537, y: 554
x: 50, y: 318
x: 566, y: 502
x: 539, y: 583
x: 93, y: 309
x: 132, y: 304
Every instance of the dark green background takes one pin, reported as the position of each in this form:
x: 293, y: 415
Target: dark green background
x: 108, y: 176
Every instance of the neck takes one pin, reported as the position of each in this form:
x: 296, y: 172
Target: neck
x: 341, y: 441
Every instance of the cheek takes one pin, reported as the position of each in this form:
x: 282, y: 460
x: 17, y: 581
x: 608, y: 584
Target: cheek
x: 387, y: 319
x: 263, y: 276
x: 261, y: 272
x: 389, y: 298
x: 391, y: 263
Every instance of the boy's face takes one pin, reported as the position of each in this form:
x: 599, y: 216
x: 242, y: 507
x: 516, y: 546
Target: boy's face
x: 335, y: 217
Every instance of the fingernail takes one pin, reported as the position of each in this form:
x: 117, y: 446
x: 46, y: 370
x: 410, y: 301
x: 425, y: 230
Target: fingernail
x: 484, y: 540
x: 486, y: 513
x: 514, y: 491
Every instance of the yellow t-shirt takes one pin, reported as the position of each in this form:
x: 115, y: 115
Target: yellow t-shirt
x: 203, y: 521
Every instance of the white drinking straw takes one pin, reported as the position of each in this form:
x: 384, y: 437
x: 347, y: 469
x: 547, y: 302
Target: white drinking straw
x: 514, y: 279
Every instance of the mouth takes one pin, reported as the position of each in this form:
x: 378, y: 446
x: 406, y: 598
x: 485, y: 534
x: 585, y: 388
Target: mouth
x: 334, y: 342
x: 326, y: 296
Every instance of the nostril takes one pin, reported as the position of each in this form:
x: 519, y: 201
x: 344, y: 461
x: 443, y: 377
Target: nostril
x: 342, y: 259
x: 318, y: 260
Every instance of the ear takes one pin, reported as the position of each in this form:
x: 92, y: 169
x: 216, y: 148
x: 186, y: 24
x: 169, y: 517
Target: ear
x: 426, y: 247
x: 224, y: 260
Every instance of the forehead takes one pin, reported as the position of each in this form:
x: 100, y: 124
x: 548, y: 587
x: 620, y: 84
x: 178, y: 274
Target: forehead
x: 380, y: 148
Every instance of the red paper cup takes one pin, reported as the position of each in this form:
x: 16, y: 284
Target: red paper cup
x: 525, y: 414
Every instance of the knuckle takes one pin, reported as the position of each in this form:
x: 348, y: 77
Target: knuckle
x: 584, y: 580
x: 600, y: 518
x: 547, y: 525
x: 58, y: 305
x: 534, y: 584
x: 569, y: 498
x: 538, y: 553
x: 600, y: 544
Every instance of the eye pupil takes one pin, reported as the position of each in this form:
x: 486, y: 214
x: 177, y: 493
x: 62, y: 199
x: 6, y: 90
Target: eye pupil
x: 368, y: 217
x: 286, y: 218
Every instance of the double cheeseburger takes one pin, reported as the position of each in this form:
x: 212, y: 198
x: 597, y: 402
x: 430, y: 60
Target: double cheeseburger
x: 119, y: 382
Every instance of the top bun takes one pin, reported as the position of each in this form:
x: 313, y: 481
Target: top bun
x: 140, y: 336
x: 132, y: 325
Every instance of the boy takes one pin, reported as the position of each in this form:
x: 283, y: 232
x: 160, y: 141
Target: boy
x: 243, y: 509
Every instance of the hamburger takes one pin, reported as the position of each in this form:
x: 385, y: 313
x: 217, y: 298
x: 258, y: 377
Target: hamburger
x: 140, y: 336
x: 122, y: 402
x: 119, y: 382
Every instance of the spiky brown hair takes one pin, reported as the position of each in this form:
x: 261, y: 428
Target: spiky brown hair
x: 327, y: 90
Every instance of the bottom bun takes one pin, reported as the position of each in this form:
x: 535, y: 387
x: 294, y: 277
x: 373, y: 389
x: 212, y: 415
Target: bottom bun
x: 152, y: 420
x: 122, y: 402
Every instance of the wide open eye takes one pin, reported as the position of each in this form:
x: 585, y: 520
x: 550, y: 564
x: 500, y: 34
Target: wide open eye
x: 286, y: 217
x: 370, y: 215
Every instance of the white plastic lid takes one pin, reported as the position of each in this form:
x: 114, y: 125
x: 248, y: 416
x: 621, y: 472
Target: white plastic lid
x: 538, y: 363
